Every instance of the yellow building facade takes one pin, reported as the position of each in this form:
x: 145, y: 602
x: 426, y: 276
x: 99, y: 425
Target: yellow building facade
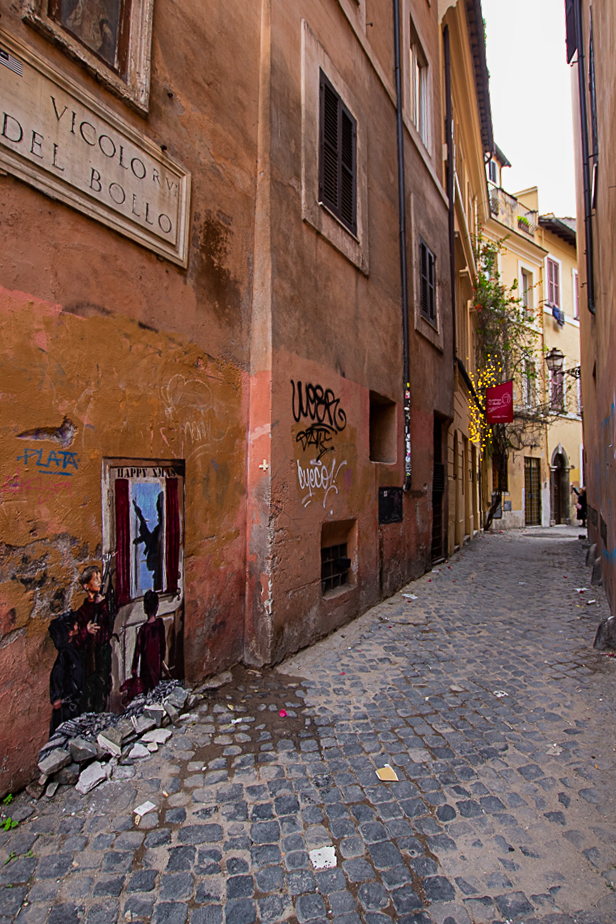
x: 540, y: 254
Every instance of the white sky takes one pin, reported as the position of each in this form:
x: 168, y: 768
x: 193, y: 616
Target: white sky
x: 530, y: 91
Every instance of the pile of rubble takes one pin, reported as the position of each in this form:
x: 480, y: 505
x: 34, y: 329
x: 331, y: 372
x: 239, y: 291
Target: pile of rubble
x: 91, y: 748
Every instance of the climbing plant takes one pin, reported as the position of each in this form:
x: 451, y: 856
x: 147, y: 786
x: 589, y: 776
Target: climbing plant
x: 507, y: 347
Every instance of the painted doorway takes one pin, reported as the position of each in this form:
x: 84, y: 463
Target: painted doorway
x: 532, y: 491
x: 559, y: 493
x: 143, y: 533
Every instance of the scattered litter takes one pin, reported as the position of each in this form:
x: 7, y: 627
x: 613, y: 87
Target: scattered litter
x: 436, y: 571
x: 500, y: 693
x: 342, y: 673
x: 144, y: 808
x: 283, y: 713
x: 323, y: 857
x: 590, y: 602
x: 580, y: 590
x: 521, y: 582
x: 165, y: 794
x: 236, y: 721
x: 387, y: 774
x: 411, y: 596
x: 230, y: 706
x: 554, y: 749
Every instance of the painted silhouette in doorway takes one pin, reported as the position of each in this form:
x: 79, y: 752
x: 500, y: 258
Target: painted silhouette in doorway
x: 151, y: 645
x: 151, y: 538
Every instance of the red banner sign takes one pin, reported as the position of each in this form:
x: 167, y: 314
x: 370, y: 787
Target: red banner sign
x: 499, y: 403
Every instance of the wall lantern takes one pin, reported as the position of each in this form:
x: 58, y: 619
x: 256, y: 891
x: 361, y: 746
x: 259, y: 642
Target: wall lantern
x: 555, y: 360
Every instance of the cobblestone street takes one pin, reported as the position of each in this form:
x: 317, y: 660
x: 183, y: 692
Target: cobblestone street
x: 483, y: 694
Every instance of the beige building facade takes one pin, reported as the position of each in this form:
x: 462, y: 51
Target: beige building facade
x: 540, y: 257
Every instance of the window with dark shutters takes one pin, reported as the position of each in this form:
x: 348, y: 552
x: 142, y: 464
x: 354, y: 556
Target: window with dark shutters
x: 427, y: 295
x: 337, y: 156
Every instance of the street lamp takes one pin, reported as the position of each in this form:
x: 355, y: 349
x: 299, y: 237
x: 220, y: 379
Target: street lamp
x: 555, y: 360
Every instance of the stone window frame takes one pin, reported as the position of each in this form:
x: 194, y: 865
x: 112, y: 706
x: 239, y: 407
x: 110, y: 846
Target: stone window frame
x: 134, y: 87
x: 353, y: 246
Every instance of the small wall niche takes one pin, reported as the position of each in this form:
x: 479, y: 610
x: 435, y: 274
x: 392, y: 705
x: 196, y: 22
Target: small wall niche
x: 338, y: 556
x: 382, y: 429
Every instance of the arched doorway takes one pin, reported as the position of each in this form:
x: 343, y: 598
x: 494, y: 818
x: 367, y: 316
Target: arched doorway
x: 559, y: 487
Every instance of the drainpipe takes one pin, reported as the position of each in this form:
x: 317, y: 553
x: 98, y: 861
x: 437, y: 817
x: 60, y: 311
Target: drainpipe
x: 450, y: 185
x: 590, y: 280
x: 406, y: 373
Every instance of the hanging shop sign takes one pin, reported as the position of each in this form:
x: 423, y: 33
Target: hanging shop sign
x: 499, y: 403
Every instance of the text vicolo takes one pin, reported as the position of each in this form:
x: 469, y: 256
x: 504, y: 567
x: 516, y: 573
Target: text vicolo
x: 119, y: 165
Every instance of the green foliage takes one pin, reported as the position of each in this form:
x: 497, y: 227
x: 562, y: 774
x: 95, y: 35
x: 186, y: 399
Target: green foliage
x: 8, y: 799
x: 8, y: 824
x: 502, y: 331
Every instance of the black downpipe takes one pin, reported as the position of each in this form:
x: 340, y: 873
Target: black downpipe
x: 403, y: 273
x: 450, y: 184
x: 590, y: 279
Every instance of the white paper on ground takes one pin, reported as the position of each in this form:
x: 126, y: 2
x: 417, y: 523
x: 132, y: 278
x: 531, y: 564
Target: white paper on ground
x: 323, y: 858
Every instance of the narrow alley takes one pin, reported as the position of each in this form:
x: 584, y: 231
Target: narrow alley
x: 478, y: 685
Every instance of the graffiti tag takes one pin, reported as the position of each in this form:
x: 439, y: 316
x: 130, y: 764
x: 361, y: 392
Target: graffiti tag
x: 319, y: 405
x: 60, y: 462
x: 41, y: 489
x: 318, y: 477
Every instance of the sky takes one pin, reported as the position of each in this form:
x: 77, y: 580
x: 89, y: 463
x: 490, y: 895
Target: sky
x: 530, y: 91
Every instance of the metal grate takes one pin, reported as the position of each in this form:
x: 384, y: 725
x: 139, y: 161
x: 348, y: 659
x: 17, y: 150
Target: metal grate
x: 335, y: 567
x: 532, y: 492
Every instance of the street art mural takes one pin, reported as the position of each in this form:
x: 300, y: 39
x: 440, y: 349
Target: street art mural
x: 127, y: 634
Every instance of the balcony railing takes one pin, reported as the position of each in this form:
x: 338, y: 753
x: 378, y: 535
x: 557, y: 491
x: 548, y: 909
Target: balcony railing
x: 512, y: 213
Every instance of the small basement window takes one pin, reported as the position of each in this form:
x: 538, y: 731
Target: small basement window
x: 382, y: 429
x: 338, y: 550
x: 335, y: 567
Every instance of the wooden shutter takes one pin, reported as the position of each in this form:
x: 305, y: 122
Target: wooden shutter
x: 337, y: 156
x: 427, y: 295
x: 556, y: 279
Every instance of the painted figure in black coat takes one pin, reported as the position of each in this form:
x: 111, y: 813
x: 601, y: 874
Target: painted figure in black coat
x: 67, y: 678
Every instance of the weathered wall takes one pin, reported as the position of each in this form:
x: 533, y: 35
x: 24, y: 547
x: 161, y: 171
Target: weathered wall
x: 146, y: 359
x: 598, y: 331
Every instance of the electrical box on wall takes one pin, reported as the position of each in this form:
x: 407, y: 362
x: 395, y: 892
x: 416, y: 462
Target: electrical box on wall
x: 390, y: 505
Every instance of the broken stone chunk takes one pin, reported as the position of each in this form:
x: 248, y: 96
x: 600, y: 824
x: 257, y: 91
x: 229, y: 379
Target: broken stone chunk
x: 35, y: 790
x: 177, y: 697
x: 110, y: 740
x: 82, y: 750
x: 54, y: 761
x: 157, y: 736
x: 91, y: 777
x: 142, y: 724
x: 171, y: 711
x: 138, y: 751
x: 155, y: 712
x: 68, y: 776
x: 51, y: 790
x: 123, y: 773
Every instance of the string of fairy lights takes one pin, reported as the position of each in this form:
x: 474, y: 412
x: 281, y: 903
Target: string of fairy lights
x: 488, y: 376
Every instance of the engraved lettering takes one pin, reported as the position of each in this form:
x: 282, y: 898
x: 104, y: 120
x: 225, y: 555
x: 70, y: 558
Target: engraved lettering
x: 74, y: 114
x: 155, y: 176
x: 89, y: 124
x: 172, y: 187
x: 147, y: 212
x: 109, y: 150
x: 139, y: 175
x: 55, y: 109
x: 164, y: 223
x: 55, y: 154
x: 5, y: 128
x: 36, y: 144
x: 134, y: 211
x: 95, y: 177
x: 122, y: 164
x: 116, y: 190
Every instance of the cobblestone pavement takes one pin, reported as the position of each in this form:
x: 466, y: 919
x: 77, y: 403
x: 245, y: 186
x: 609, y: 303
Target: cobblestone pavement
x: 483, y: 694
